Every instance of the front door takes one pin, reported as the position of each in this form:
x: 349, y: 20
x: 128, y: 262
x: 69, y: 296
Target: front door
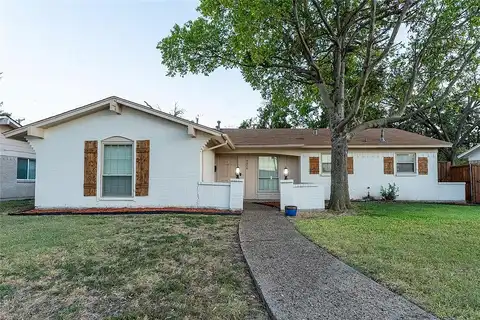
x: 268, y: 174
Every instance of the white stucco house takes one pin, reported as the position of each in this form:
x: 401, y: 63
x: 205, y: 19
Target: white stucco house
x: 117, y: 153
x: 473, y: 155
x: 17, y: 165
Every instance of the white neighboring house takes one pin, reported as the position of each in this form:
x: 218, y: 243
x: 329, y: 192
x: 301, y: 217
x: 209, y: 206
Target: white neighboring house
x: 473, y: 155
x: 117, y: 153
x: 17, y: 165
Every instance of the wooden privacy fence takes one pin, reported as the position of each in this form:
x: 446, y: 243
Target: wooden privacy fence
x: 469, y: 173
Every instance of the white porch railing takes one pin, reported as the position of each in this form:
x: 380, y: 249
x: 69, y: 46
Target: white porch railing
x: 304, y: 196
x: 221, y: 195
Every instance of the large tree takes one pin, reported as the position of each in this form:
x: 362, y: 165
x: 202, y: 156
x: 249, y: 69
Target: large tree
x: 326, y: 52
x: 455, y: 118
x: 290, y: 116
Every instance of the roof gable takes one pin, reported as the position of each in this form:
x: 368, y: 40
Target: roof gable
x: 115, y: 104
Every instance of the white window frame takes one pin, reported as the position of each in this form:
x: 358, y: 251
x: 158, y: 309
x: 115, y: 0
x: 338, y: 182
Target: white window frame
x: 325, y: 173
x: 410, y: 173
x: 117, y: 140
x: 258, y: 176
x: 27, y: 179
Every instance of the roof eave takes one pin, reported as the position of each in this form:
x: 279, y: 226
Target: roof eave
x: 466, y: 153
x: 302, y: 146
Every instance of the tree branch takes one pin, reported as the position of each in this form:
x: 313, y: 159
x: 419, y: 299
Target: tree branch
x: 393, y: 36
x: 317, y: 5
x: 308, y: 56
x: 366, y: 71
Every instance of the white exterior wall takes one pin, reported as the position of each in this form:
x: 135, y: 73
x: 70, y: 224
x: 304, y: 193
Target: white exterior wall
x: 174, y: 160
x: 10, y: 151
x: 368, y: 172
x: 303, y: 196
x: 208, y: 165
x: 221, y: 195
x: 214, y: 195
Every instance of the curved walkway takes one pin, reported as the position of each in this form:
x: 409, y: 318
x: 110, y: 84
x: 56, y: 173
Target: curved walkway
x: 299, y: 280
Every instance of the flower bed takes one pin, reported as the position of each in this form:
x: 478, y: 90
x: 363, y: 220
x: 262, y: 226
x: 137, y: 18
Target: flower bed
x: 92, y: 211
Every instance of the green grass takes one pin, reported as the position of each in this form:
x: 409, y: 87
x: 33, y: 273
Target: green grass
x: 123, y: 267
x: 428, y: 253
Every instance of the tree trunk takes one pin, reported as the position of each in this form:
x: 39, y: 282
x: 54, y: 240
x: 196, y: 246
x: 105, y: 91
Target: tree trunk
x: 339, y: 193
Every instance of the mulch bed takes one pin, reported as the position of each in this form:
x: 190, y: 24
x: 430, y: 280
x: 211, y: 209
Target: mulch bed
x: 112, y: 211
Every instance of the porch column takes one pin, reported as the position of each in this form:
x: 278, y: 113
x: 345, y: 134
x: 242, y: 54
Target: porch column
x: 286, y: 194
x: 236, y: 194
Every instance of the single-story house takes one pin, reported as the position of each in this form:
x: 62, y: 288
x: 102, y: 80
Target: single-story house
x: 17, y: 165
x: 117, y: 153
x: 473, y: 155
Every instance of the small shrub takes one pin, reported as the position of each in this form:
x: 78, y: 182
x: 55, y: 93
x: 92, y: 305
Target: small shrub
x: 390, y: 193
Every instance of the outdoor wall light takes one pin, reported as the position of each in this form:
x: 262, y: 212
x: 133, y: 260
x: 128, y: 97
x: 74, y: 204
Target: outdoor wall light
x: 285, y: 173
x: 237, y: 172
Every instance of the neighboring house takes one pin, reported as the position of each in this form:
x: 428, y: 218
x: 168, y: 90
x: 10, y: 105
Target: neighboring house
x: 17, y: 165
x: 117, y: 153
x: 473, y: 155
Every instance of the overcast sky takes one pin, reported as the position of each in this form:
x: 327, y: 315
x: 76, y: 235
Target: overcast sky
x: 57, y: 55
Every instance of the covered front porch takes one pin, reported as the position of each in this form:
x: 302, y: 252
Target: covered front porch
x: 262, y: 173
x: 270, y: 177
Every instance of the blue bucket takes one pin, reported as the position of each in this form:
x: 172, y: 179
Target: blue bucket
x: 290, y: 211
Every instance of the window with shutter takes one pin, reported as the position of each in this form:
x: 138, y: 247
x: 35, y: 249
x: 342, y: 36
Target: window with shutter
x: 326, y: 163
x: 117, y: 170
x: 406, y: 163
x: 314, y: 165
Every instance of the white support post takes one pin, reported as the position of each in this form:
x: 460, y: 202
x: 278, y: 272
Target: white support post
x: 286, y: 194
x: 236, y: 194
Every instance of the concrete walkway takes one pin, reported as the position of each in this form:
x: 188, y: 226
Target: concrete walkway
x: 299, y: 280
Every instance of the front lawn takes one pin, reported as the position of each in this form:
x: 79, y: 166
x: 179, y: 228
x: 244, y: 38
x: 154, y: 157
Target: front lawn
x: 123, y: 267
x: 428, y: 253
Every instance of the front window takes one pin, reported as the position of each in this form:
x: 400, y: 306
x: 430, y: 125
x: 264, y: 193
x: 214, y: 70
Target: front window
x: 406, y: 163
x: 26, y: 169
x: 267, y: 174
x: 117, y: 170
x: 326, y: 163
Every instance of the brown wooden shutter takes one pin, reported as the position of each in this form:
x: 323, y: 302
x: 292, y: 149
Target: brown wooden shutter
x: 143, y: 168
x: 350, y: 165
x: 388, y: 165
x: 314, y: 164
x: 90, y: 169
x: 423, y: 165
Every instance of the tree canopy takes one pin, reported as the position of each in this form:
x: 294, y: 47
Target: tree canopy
x: 343, y: 56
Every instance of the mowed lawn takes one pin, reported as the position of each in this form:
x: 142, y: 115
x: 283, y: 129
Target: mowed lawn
x: 123, y: 267
x: 428, y: 253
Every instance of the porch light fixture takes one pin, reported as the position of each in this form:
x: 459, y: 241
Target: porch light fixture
x: 237, y: 172
x: 285, y: 173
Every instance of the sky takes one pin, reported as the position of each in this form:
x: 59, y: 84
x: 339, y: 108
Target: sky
x: 57, y: 55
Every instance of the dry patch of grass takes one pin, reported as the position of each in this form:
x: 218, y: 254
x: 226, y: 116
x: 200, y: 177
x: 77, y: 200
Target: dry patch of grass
x: 428, y: 252
x: 124, y: 267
